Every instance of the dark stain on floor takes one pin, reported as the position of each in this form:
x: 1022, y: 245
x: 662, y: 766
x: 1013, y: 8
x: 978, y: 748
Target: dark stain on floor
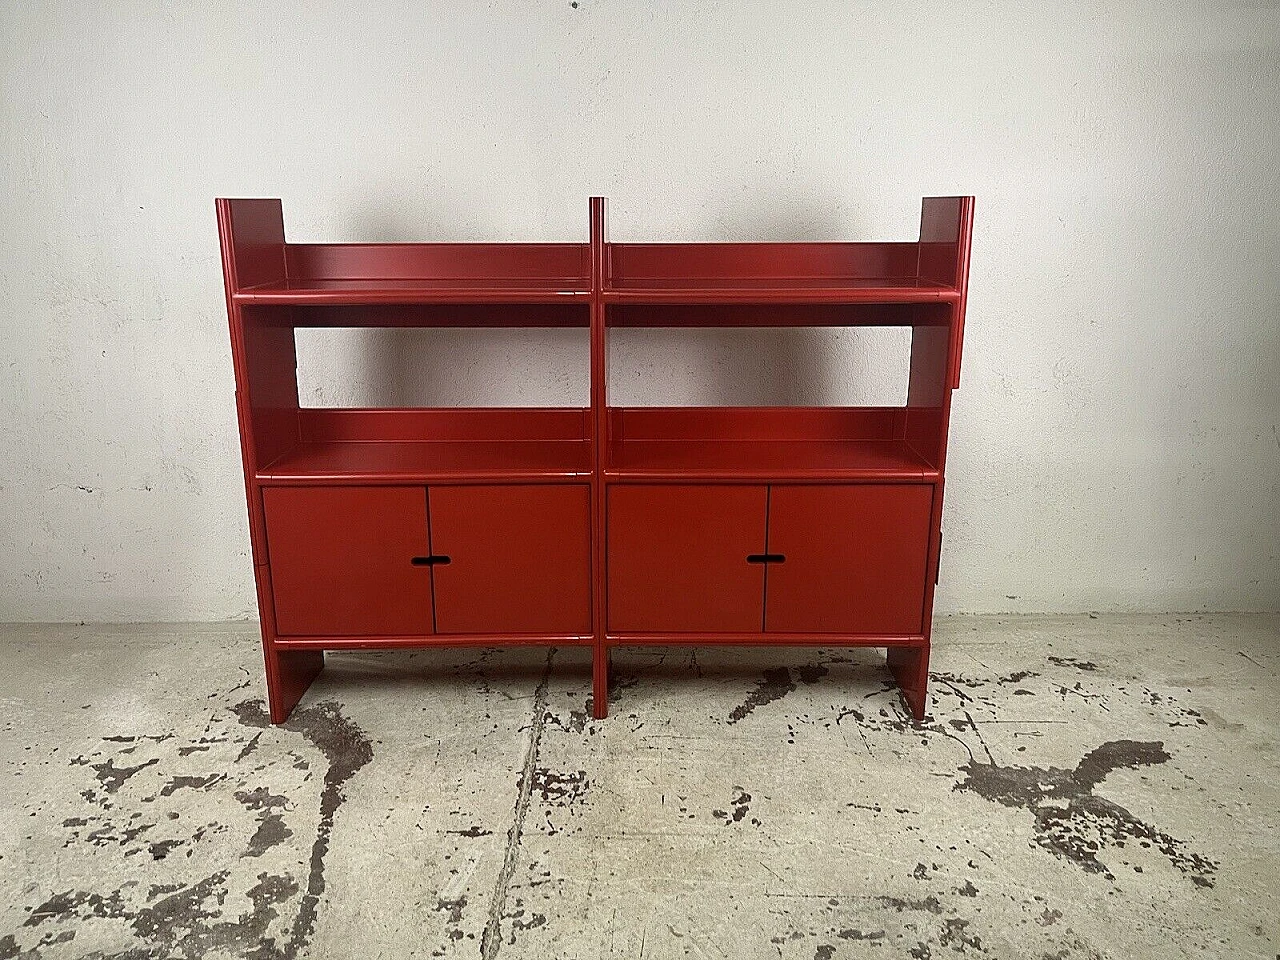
x: 189, y: 919
x: 738, y: 807
x: 347, y: 749
x: 775, y: 685
x: 1073, y: 822
x: 559, y: 787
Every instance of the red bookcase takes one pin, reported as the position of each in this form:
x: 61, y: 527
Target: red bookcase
x: 601, y: 526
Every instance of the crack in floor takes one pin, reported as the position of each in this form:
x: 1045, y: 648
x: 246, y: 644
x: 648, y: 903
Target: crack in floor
x: 491, y: 939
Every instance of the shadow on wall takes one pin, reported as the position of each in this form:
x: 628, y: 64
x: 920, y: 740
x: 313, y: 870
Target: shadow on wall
x: 659, y: 366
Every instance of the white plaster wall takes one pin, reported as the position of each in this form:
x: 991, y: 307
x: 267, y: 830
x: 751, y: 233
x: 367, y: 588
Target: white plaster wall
x: 1115, y: 441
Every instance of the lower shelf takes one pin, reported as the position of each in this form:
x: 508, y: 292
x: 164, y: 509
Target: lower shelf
x: 414, y: 445
x: 764, y: 444
x: 435, y: 640
x: 365, y: 461
x: 849, y: 460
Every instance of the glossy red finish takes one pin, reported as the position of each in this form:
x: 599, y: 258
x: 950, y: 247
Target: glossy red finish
x: 395, y: 446
x: 758, y: 638
x: 433, y: 461
x: 777, y: 273
x: 560, y: 313
x: 598, y: 254
x: 378, y: 641
x: 855, y: 558
x: 774, y: 314
x: 737, y: 444
x: 678, y: 558
x: 561, y: 265
x: 519, y: 559
x: 631, y: 506
x: 342, y: 560
x: 409, y: 273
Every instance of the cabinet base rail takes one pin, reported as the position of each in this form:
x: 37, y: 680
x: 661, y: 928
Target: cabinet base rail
x: 293, y: 664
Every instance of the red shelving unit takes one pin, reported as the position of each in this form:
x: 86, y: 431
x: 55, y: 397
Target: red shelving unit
x: 604, y: 526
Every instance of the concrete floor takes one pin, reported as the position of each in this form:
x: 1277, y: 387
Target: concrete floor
x: 1085, y: 787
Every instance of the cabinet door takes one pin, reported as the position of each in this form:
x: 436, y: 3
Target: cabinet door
x: 519, y: 558
x: 855, y: 558
x: 342, y: 560
x: 678, y: 558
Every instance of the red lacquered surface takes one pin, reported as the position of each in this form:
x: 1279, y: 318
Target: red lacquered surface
x: 783, y: 290
x: 518, y: 559
x: 548, y: 264
x: 678, y: 558
x: 839, y: 261
x: 739, y: 460
x: 438, y: 461
x: 376, y: 641
x: 708, y: 466
x: 339, y: 292
x: 760, y: 639
x: 855, y: 558
x: 736, y: 444
x: 391, y: 446
x: 775, y: 314
x: 598, y: 251
x: 568, y: 312
x: 409, y: 273
x: 342, y: 560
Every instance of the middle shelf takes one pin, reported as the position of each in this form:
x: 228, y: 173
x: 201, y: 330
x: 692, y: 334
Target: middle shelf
x: 403, y: 445
x: 763, y: 443
x: 766, y: 460
x: 660, y: 444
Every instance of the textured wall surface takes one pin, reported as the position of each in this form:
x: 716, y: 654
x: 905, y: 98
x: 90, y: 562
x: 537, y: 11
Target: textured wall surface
x: 1115, y: 440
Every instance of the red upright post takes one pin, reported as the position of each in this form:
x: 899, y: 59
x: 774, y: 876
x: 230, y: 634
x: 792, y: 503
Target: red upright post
x: 600, y: 443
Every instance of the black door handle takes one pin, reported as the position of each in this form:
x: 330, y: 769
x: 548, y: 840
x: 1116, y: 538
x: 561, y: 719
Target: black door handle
x: 766, y: 558
x: 430, y: 561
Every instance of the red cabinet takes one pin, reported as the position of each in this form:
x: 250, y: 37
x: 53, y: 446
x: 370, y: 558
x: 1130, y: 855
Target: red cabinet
x: 678, y: 558
x: 519, y: 559
x: 839, y: 558
x: 342, y: 560
x: 408, y: 561
x: 855, y: 558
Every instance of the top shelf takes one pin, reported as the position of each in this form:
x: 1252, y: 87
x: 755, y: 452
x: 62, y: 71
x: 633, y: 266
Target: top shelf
x: 835, y: 290
x: 262, y: 268
x: 355, y: 292
x: 733, y: 290
x: 775, y: 273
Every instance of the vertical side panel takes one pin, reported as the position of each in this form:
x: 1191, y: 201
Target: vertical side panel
x: 342, y: 560
x: 678, y: 558
x: 939, y: 235
x: 270, y: 388
x: 928, y: 392
x: 251, y: 238
x: 519, y: 558
x: 252, y: 234
x: 946, y: 236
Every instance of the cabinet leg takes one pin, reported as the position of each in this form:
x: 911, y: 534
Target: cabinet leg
x: 600, y: 684
x: 910, y: 668
x: 289, y: 673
